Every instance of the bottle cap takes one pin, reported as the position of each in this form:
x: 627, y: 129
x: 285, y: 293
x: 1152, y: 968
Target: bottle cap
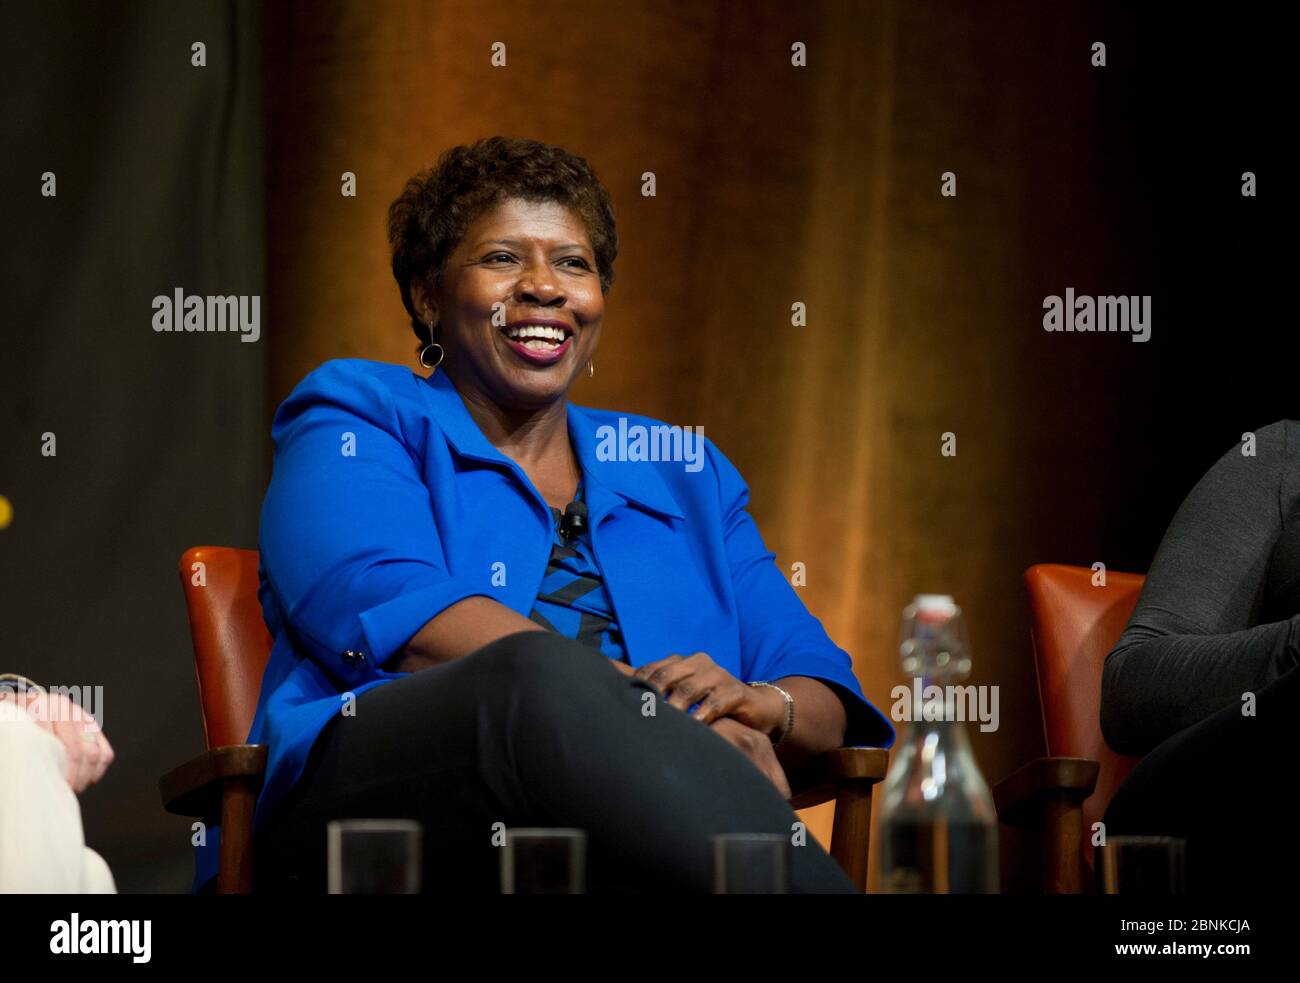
x: 935, y: 605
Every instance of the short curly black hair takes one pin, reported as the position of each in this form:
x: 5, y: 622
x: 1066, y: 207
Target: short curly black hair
x: 436, y: 207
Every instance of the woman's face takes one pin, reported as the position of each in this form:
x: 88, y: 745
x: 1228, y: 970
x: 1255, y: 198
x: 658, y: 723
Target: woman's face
x: 535, y: 260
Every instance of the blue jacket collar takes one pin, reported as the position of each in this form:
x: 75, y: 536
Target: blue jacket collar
x: 640, y: 484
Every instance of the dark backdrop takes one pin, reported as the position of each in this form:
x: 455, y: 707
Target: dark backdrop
x: 159, y: 437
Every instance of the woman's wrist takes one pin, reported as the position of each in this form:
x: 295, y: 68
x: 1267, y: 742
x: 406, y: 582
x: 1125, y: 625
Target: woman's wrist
x: 776, y: 712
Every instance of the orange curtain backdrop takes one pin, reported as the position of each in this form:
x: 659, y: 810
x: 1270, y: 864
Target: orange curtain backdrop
x: 776, y: 185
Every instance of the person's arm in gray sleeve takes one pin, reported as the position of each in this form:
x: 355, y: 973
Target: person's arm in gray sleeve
x: 1193, y: 645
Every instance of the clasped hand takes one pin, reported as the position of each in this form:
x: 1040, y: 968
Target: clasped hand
x: 742, y: 715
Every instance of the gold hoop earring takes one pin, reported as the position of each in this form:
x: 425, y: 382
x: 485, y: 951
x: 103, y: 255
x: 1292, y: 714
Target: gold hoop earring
x: 425, y: 350
x: 591, y: 369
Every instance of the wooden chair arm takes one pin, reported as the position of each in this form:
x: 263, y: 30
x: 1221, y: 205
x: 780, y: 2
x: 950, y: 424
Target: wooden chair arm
x: 847, y: 775
x: 196, y: 787
x: 1047, y: 794
x: 221, y: 786
x: 1022, y: 797
x: 819, y: 779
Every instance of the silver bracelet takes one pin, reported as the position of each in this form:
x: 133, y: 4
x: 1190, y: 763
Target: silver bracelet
x: 789, y: 712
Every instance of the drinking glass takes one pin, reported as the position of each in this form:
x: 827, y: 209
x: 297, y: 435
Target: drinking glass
x: 374, y: 856
x: 1141, y: 865
x: 751, y: 863
x: 537, y: 860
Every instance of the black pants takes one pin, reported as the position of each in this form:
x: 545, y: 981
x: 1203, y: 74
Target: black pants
x: 531, y: 730
x: 1225, y: 786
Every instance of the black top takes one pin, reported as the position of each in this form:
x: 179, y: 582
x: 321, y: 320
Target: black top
x: 1219, y: 614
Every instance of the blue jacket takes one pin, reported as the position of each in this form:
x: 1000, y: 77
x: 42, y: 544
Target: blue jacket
x: 387, y: 504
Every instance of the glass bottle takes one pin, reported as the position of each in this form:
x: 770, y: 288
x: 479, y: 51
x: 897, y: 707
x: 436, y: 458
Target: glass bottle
x: 939, y: 827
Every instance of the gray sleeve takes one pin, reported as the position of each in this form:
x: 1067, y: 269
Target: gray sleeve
x: 1193, y: 644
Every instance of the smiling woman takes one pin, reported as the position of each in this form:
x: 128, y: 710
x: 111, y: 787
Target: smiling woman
x: 450, y: 648
x: 463, y: 230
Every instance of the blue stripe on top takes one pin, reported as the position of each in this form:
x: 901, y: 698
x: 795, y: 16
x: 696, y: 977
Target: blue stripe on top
x: 572, y: 599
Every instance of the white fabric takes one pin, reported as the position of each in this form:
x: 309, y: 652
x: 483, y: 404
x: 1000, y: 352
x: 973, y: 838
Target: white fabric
x: 42, y: 846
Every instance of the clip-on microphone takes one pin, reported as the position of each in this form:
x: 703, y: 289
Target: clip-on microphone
x: 574, y: 520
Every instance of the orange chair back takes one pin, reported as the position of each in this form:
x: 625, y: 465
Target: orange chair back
x: 1074, y: 626
x: 231, y: 643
